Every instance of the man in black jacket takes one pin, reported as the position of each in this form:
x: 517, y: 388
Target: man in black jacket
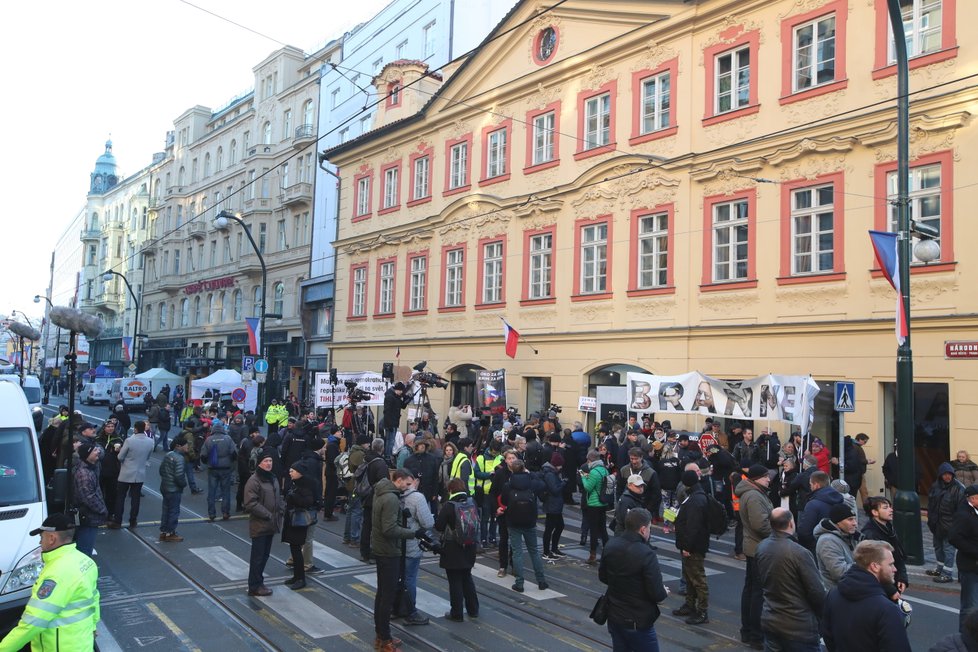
x: 693, y: 541
x: 396, y: 398
x: 964, y: 537
x: 376, y: 471
x: 630, y: 568
x: 424, y: 465
x: 880, y: 528
x: 793, y: 593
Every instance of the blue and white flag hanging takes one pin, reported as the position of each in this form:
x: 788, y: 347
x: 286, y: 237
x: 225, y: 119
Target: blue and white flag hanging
x: 886, y: 248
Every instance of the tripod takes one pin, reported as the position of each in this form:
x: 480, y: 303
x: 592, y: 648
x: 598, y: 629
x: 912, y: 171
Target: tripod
x: 423, y: 404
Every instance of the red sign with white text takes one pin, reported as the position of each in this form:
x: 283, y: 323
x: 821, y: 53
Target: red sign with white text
x: 961, y: 350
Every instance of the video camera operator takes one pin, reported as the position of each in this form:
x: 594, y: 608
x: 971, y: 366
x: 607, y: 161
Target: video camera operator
x: 396, y: 398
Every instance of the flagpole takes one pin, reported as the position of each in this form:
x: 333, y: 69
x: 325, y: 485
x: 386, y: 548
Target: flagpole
x: 520, y: 336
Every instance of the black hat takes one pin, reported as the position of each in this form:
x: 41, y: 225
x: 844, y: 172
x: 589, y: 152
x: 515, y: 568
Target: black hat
x: 54, y: 523
x: 666, y: 424
x: 86, y: 426
x: 85, y: 450
x: 690, y: 478
x: 684, y: 437
x: 971, y: 490
x: 756, y: 471
x: 840, y: 512
x: 399, y: 386
x: 299, y: 466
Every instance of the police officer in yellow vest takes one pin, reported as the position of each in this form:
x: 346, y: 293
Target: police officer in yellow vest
x: 462, y: 464
x: 64, y: 606
x: 485, y: 465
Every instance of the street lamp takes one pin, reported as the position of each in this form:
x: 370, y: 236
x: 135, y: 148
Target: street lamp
x: 221, y: 221
x: 107, y: 276
x: 906, y: 514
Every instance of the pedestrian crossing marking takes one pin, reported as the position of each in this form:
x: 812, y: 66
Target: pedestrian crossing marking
x: 315, y: 621
x: 223, y: 561
x: 489, y: 575
x: 427, y: 601
x: 332, y: 557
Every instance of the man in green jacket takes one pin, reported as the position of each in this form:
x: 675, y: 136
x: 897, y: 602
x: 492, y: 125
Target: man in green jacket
x: 755, y: 513
x: 64, y: 606
x: 385, y: 544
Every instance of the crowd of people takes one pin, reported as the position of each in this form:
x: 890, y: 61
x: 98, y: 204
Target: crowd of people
x: 481, y: 485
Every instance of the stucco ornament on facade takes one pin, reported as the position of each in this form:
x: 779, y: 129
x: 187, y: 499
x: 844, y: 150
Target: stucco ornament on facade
x: 814, y: 167
x: 922, y: 77
x: 653, y: 56
x: 808, y: 146
x: 542, y: 22
x: 732, y: 131
x: 538, y: 316
x: 544, y: 96
x: 810, y: 298
x: 458, y: 129
x: 813, y: 108
x: 729, y: 303
x: 728, y: 30
x: 590, y: 312
x: 926, y: 289
x: 451, y: 323
x: 802, y: 6
x: 477, y: 224
x: 597, y: 76
x: 658, y: 308
x: 927, y: 134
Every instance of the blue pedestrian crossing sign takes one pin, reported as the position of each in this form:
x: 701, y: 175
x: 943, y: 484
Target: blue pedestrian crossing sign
x: 845, y: 396
x: 261, y: 366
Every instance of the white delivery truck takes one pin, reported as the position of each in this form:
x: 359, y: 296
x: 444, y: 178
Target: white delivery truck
x: 31, y: 387
x: 22, y: 500
x: 131, y: 390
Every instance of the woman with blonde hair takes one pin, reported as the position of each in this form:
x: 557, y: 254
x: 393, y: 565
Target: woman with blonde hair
x: 965, y: 470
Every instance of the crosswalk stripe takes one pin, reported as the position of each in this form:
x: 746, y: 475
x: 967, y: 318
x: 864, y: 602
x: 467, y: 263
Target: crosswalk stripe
x: 223, y: 561
x: 314, y: 621
x: 675, y: 563
x: 489, y: 575
x: 332, y: 557
x: 427, y: 601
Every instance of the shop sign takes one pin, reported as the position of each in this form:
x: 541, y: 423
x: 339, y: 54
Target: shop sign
x: 961, y: 350
x: 207, y: 286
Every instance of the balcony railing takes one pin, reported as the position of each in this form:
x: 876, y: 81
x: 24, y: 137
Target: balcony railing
x: 297, y: 193
x: 197, y: 229
x: 303, y: 134
x: 91, y: 234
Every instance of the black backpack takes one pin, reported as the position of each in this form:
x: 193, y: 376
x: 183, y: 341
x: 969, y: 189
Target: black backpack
x: 521, y: 509
x: 716, y: 516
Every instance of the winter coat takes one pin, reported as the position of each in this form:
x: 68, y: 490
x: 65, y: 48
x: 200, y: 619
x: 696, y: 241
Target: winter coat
x: 301, y: 496
x: 793, y: 592
x: 553, y: 497
x: 424, y: 466
x: 173, y: 476
x: 461, y: 418
x: 745, y: 454
x: 801, y: 487
x: 264, y: 504
x: 226, y: 450
x: 244, y: 456
x: 817, y: 508
x: 630, y: 568
x: 755, y: 513
x: 377, y: 470
x: 858, y: 616
x: 237, y: 430
x: 136, y: 451
x: 692, y: 523
x: 964, y: 537
x: 153, y: 414
x: 824, y: 458
x: 669, y: 470
x: 628, y: 501
x: 521, y: 482
x: 768, y: 447
x: 965, y: 472
x: 943, y: 501
x: 419, y: 515
x: 454, y: 556
x: 592, y: 483
x: 393, y: 404
x: 164, y: 422
x: 387, y: 532
x: 88, y: 495
x: 833, y: 552
x: 875, y: 531
x: 653, y: 489
x: 962, y: 642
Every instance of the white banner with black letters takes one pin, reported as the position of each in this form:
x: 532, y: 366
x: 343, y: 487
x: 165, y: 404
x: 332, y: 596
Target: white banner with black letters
x: 335, y: 395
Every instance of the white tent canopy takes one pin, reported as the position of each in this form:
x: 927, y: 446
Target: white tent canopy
x: 227, y: 381
x: 158, y: 377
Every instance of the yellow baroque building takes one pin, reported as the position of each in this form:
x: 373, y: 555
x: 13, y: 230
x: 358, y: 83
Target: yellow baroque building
x: 667, y: 186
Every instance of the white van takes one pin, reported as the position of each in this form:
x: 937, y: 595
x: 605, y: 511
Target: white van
x: 93, y: 393
x: 22, y: 499
x: 32, y: 388
x: 131, y: 390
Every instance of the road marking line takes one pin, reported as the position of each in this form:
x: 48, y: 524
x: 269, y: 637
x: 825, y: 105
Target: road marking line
x: 427, y: 602
x: 106, y: 642
x: 172, y: 626
x: 334, y: 558
x: 489, y: 575
x: 936, y: 605
x: 315, y: 621
x: 223, y: 561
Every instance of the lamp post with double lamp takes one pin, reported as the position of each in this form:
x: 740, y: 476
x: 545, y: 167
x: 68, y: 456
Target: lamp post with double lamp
x: 221, y: 221
x: 107, y: 276
x: 44, y: 348
x: 906, y: 515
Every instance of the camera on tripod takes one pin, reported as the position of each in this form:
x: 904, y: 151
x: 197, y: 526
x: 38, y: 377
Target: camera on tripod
x: 354, y: 394
x: 429, y: 379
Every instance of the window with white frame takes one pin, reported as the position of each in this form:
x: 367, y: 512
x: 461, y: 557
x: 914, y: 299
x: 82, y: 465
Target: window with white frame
x: 185, y: 312
x: 197, y: 311
x: 492, y: 272
x: 812, y: 230
x: 286, y: 181
x: 594, y: 258
x: 363, y: 196
x: 730, y: 235
x: 496, y: 154
x: 419, y: 281
x: 925, y: 199
x: 334, y: 98
x: 390, y: 187
x: 813, y: 54
x: 402, y: 49
x: 287, y: 124
x: 282, y: 242
x: 454, y: 261
x: 653, y: 251
x: 359, y: 301
x: 655, y: 103
x: 278, y: 302
x: 541, y: 261
x: 386, y: 290
x: 543, y: 138
x: 429, y: 39
x: 266, y: 134
x: 922, y: 24
x: 458, y: 165
x: 344, y: 135
x: 732, y: 81
x: 238, y: 305
x: 422, y: 168
x: 162, y: 316
x: 307, y: 110
x: 597, y: 121
x: 256, y: 302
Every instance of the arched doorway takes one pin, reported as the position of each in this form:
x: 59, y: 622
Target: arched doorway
x: 463, y: 384
x: 607, y: 384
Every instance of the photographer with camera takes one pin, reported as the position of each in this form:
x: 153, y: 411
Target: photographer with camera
x: 396, y: 398
x: 458, y: 524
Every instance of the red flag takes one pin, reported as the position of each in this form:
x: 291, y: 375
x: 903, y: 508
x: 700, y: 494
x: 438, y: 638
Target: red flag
x: 512, y: 339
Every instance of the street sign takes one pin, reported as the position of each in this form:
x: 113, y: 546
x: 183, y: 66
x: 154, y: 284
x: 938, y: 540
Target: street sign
x: 587, y: 404
x: 247, y: 363
x: 132, y: 367
x: 961, y: 350
x: 261, y: 366
x: 260, y: 377
x: 247, y: 376
x: 238, y: 395
x: 845, y: 397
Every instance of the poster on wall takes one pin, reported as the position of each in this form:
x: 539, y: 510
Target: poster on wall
x: 490, y: 387
x: 336, y: 395
x: 772, y: 397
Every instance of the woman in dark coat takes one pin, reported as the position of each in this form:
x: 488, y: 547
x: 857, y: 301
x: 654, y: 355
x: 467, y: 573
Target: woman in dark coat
x: 302, y: 496
x: 456, y: 559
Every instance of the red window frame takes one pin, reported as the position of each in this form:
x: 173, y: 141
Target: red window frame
x: 611, y: 88
x: 480, y: 284
x: 529, y: 167
x: 365, y: 173
x: 527, y: 234
x: 638, y: 78
x: 383, y: 188
x: 579, y: 226
x: 708, y: 284
x: 421, y: 153
x: 507, y: 126
x: 445, y: 250
x: 393, y: 312
x: 391, y: 87
x: 788, y: 95
x: 467, y: 138
x: 949, y: 41
x: 411, y: 257
x: 733, y: 38
x: 636, y: 215
x: 349, y: 312
x: 838, y: 273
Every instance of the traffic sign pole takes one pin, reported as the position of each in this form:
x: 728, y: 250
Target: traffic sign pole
x: 845, y: 401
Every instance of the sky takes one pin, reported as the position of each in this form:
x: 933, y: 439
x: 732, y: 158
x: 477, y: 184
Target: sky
x: 78, y: 73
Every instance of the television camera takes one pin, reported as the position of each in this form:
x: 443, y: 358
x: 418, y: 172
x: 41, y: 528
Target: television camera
x: 354, y: 394
x: 427, y: 379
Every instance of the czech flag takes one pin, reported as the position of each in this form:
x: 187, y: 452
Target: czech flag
x: 512, y: 339
x: 885, y: 247
x: 127, y: 348
x: 254, y: 339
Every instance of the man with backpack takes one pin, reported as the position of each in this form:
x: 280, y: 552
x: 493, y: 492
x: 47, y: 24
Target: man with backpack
x: 354, y: 507
x: 245, y: 467
x: 599, y: 492
x: 693, y: 542
x: 458, y: 523
x: 373, y: 470
x: 333, y: 471
x: 520, y: 508
x: 219, y: 453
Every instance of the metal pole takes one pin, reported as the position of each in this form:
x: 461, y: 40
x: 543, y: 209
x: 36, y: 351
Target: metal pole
x: 135, y: 328
x: 67, y: 448
x: 906, y: 516
x: 842, y: 446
